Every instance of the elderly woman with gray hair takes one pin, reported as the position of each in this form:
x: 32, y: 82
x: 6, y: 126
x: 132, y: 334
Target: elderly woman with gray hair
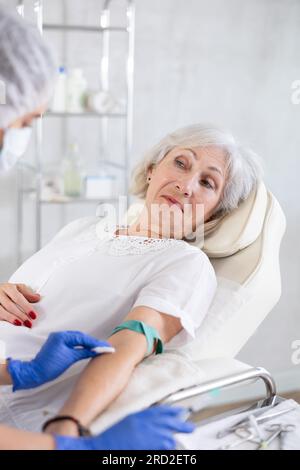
x: 117, y: 282
x: 142, y: 286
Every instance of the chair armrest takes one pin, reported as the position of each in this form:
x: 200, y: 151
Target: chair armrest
x: 216, y: 378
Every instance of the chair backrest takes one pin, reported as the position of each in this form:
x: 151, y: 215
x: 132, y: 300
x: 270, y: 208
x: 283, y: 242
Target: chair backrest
x: 244, y: 251
x: 240, y: 228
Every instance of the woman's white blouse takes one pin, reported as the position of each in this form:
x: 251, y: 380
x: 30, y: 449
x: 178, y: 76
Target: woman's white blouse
x: 89, y: 279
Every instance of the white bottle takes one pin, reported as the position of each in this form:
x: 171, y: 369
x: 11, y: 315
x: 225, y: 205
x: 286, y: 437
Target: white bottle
x: 100, y: 184
x: 76, y: 91
x: 100, y: 101
x: 59, y: 97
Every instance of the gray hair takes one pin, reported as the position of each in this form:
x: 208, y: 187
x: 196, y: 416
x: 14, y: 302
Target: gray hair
x: 244, y: 167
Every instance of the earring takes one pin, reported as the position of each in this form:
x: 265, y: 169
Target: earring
x: 149, y: 178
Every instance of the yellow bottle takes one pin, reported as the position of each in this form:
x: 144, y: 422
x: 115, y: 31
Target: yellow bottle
x: 73, y: 177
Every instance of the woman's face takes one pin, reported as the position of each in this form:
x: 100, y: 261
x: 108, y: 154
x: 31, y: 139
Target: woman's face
x: 194, y: 177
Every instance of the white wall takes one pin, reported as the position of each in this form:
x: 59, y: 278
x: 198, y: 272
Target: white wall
x: 231, y: 63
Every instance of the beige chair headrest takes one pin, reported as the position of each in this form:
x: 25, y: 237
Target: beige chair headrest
x: 234, y: 231
x: 240, y: 228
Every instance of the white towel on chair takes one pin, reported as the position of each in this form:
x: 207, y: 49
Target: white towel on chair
x: 153, y: 379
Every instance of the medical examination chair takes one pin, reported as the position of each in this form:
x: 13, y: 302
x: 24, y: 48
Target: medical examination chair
x: 244, y: 250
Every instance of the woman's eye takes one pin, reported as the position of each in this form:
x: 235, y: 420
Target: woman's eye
x: 179, y: 163
x: 208, y: 185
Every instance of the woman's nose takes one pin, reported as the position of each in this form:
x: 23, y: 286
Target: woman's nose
x: 185, y: 186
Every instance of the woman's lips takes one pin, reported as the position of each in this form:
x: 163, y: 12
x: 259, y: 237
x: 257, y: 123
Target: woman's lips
x: 172, y: 201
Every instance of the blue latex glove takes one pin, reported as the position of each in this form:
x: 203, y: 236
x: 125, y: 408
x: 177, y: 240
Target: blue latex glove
x: 55, y: 357
x: 149, y: 429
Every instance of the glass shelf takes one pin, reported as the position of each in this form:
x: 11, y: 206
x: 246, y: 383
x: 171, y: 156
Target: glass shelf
x: 34, y: 169
x: 90, y: 114
x: 75, y: 200
x: 84, y: 29
x: 68, y: 200
x: 31, y: 190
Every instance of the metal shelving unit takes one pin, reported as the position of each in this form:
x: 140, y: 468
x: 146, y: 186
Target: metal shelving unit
x: 104, y: 29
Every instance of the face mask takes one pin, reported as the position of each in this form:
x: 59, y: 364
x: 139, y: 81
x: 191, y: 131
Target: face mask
x: 15, y: 143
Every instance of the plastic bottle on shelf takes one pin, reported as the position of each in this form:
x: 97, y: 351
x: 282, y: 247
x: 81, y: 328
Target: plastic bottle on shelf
x: 101, y: 184
x: 76, y: 91
x: 59, y: 96
x: 100, y: 101
x: 73, y: 174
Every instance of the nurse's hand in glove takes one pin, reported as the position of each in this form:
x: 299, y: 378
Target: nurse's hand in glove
x: 60, y: 351
x: 150, y: 429
x: 15, y: 304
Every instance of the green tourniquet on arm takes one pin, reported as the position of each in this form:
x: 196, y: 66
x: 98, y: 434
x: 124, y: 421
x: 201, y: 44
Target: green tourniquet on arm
x: 140, y: 327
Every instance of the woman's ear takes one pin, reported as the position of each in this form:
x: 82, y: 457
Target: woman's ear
x: 149, y: 172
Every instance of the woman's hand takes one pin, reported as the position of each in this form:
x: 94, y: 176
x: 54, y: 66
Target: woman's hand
x: 150, y: 429
x: 60, y: 351
x: 15, y: 304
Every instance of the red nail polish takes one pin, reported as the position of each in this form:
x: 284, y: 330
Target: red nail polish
x: 17, y: 323
x: 32, y: 315
x: 27, y: 323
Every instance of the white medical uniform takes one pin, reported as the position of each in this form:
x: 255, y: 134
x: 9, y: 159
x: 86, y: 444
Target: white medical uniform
x: 89, y: 279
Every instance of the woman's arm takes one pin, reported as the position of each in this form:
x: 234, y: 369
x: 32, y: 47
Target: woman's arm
x: 105, y: 377
x: 5, y: 378
x: 15, y: 439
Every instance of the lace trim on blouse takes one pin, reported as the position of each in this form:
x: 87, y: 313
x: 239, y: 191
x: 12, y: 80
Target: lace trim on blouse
x: 119, y: 245
x: 106, y: 240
